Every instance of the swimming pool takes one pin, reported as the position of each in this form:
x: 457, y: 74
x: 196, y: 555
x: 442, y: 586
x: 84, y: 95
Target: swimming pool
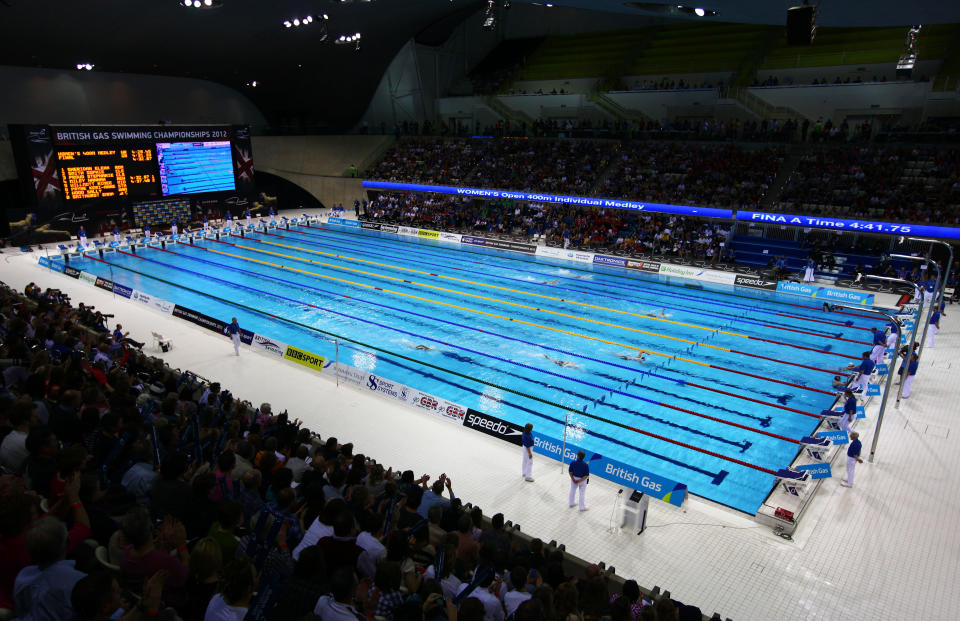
x: 730, y: 378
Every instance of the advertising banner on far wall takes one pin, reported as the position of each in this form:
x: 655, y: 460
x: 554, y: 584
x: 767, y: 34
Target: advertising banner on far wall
x: 826, y: 293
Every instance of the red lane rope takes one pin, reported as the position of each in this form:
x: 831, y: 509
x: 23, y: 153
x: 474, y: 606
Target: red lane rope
x: 814, y: 349
x: 839, y: 338
x: 795, y: 364
x: 703, y: 450
x: 773, y: 405
x: 731, y: 423
x: 829, y: 323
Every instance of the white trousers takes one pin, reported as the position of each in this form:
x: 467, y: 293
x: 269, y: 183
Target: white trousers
x: 877, y: 354
x: 236, y: 342
x: 808, y: 275
x: 851, y: 465
x: 907, y: 383
x: 527, y: 464
x: 83, y: 241
x: 862, y: 382
x: 582, y: 486
x: 927, y: 298
x: 891, y: 340
x: 931, y: 333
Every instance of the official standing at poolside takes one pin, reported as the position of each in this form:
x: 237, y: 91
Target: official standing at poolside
x: 82, y: 236
x: 853, y: 458
x: 526, y: 442
x: 579, y: 474
x: 808, y: 272
x: 865, y: 368
x: 933, y: 328
x: 849, y: 412
x: 879, y: 346
x: 234, y: 331
x: 911, y: 374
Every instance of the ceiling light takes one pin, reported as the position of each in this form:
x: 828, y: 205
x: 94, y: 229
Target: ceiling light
x: 208, y: 2
x: 187, y: 2
x: 699, y: 12
x: 296, y: 21
x: 287, y: 23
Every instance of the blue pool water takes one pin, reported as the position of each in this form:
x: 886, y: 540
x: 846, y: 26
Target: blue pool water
x: 500, y: 324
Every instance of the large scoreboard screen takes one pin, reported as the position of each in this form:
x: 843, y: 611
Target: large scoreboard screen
x: 107, y: 173
x: 83, y: 163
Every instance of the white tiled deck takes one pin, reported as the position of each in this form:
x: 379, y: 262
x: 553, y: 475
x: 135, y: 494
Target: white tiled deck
x: 885, y: 549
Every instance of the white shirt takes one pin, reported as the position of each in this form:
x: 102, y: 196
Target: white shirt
x: 493, y: 611
x: 14, y: 451
x: 317, y: 531
x: 513, y: 599
x: 329, y: 609
x: 451, y: 585
x: 219, y: 610
x: 297, y: 466
x: 373, y: 553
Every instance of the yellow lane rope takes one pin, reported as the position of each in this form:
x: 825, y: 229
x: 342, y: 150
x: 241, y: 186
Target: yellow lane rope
x: 463, y: 308
x: 481, y: 297
x: 502, y: 288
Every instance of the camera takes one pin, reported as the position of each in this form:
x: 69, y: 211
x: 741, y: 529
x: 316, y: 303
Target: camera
x: 110, y: 315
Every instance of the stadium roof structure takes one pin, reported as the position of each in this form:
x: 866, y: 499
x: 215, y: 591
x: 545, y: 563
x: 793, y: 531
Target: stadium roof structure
x: 238, y: 41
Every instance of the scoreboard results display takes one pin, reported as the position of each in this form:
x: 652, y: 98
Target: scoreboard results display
x: 107, y: 173
x: 150, y: 162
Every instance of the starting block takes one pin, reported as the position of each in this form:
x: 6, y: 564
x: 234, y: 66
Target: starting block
x: 817, y: 448
x: 794, y: 481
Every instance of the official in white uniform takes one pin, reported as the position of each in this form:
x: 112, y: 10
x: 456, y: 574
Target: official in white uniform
x: 526, y: 443
x: 892, y: 336
x: 579, y: 475
x: 879, y: 346
x: 808, y: 272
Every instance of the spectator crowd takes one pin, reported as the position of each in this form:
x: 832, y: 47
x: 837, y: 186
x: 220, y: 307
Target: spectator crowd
x: 134, y: 491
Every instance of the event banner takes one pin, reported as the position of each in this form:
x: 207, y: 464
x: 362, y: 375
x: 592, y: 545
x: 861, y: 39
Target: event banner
x: 826, y: 293
x: 539, y: 197
x: 856, y: 226
x: 651, y: 267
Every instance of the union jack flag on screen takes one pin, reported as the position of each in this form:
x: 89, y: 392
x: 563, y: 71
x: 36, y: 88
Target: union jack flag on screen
x: 46, y: 176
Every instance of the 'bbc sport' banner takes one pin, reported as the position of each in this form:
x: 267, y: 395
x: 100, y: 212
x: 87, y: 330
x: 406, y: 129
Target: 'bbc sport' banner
x: 656, y: 486
x: 304, y: 358
x: 826, y: 293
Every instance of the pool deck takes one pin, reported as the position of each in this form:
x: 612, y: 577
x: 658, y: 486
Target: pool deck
x: 881, y: 550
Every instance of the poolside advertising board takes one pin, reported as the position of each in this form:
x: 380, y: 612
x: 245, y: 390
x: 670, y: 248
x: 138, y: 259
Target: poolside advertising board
x: 755, y: 282
x: 350, y: 224
x: 304, y: 358
x: 268, y: 345
x: 210, y: 323
x: 656, y: 486
x: 651, y: 267
x: 551, y: 252
x: 453, y: 238
x: 72, y: 272
x: 446, y: 410
x: 152, y: 301
x: 826, y: 293
x: 600, y: 259
x: 370, y: 226
x: 697, y: 273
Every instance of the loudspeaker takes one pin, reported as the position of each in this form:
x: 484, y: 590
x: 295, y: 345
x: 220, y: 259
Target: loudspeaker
x: 801, y: 24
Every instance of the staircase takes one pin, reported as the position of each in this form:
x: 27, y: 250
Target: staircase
x: 616, y: 110
x: 507, y: 113
x: 789, y: 166
x: 762, y: 108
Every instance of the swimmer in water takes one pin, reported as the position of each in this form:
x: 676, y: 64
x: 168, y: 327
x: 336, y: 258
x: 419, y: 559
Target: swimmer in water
x: 562, y: 363
x: 839, y: 383
x: 663, y: 313
x: 423, y: 347
x: 638, y: 358
x: 551, y: 282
